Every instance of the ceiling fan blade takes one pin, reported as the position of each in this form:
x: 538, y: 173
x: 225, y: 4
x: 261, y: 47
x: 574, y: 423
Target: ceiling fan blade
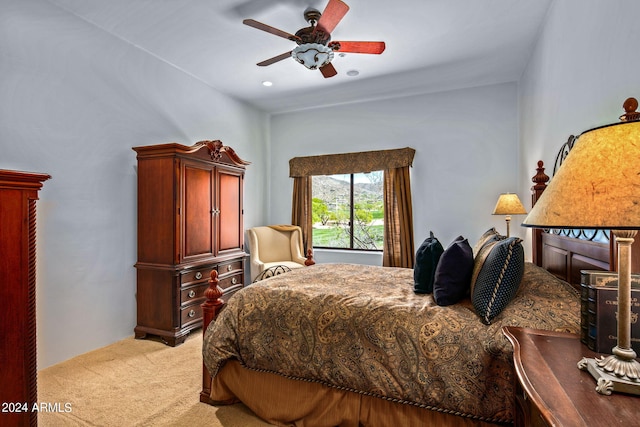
x: 359, y: 47
x: 264, y: 27
x: 328, y: 70
x: 275, y: 59
x: 332, y: 15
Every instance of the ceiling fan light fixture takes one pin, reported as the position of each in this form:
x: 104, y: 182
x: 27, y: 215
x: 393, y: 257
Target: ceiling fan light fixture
x: 312, y: 55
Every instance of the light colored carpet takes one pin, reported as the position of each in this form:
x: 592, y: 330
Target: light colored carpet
x: 134, y: 383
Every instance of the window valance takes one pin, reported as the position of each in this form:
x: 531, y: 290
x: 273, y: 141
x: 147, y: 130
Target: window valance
x: 364, y: 161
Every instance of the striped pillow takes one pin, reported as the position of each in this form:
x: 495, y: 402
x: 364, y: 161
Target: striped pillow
x: 487, y: 236
x: 498, y: 277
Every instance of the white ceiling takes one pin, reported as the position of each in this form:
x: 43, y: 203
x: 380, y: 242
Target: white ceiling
x: 432, y: 45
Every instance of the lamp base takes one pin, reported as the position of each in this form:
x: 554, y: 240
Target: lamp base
x: 608, y: 382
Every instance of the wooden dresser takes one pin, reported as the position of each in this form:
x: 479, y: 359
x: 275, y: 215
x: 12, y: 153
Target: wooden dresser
x: 18, y: 370
x: 552, y: 391
x: 190, y: 222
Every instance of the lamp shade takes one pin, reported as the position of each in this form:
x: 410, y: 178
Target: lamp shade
x: 598, y: 184
x: 509, y: 204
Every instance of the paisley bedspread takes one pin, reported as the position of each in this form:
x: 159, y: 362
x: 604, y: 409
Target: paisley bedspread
x: 362, y: 328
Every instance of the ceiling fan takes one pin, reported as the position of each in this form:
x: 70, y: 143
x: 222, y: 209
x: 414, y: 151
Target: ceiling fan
x: 315, y: 48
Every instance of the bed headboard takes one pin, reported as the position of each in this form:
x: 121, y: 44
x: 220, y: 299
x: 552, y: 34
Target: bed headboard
x: 566, y: 252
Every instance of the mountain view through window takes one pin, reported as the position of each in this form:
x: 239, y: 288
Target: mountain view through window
x: 348, y: 211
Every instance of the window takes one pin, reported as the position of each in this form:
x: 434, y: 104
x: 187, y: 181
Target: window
x: 348, y: 211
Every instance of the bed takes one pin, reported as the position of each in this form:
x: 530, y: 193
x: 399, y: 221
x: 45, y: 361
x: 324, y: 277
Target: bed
x: 299, y: 352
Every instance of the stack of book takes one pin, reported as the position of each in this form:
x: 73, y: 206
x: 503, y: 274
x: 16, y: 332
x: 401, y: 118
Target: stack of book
x: 599, y: 309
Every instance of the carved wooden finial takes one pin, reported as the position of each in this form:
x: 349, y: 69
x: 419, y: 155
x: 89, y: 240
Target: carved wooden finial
x: 213, y: 304
x: 540, y: 179
x: 309, y: 260
x: 213, y: 291
x: 630, y: 114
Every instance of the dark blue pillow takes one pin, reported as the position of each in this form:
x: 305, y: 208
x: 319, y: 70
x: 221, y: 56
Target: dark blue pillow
x: 499, y: 277
x: 424, y: 270
x: 453, y: 273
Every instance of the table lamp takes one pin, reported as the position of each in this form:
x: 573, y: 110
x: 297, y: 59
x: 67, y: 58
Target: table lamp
x: 598, y: 187
x: 509, y: 204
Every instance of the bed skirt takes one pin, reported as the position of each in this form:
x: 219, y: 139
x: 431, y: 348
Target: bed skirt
x: 287, y: 402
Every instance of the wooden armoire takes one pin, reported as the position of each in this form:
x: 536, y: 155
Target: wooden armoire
x: 190, y: 222
x: 18, y: 364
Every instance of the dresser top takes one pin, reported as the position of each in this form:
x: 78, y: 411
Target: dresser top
x: 546, y: 366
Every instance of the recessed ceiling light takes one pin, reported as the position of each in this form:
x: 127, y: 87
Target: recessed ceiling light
x: 353, y: 73
x: 267, y: 83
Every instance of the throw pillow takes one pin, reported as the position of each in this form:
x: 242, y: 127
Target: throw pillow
x: 486, y: 237
x: 453, y: 273
x: 427, y: 257
x: 481, y: 256
x: 499, y: 278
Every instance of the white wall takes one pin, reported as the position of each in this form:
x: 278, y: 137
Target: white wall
x: 73, y: 101
x: 466, y: 154
x: 586, y: 63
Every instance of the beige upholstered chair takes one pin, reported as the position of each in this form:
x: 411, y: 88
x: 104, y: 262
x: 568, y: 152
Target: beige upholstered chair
x: 275, y: 245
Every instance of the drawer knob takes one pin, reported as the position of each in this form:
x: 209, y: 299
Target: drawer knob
x: 192, y: 313
x: 234, y: 280
x: 229, y: 267
x: 198, y: 275
x: 192, y: 293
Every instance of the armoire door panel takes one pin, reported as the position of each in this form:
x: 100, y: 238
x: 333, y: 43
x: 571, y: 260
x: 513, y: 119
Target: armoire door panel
x: 156, y: 199
x: 230, y: 206
x: 198, y: 212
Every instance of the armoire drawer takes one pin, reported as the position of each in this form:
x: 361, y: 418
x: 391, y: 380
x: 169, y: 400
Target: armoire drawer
x: 193, y: 276
x: 229, y: 268
x: 231, y: 282
x: 192, y: 294
x: 190, y: 314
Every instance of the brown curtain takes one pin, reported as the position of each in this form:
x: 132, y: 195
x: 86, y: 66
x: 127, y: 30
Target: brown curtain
x: 301, y: 209
x: 398, y: 219
x: 398, y: 250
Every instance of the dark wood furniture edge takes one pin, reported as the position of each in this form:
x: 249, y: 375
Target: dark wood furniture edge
x: 515, y: 335
x: 19, y: 361
x: 551, y: 389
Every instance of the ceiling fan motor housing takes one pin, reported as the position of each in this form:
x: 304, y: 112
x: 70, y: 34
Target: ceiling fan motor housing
x: 312, y: 35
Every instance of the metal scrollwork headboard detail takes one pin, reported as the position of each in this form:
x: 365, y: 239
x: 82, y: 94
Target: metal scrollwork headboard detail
x: 564, y: 152
x: 582, y: 234
x: 591, y: 235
